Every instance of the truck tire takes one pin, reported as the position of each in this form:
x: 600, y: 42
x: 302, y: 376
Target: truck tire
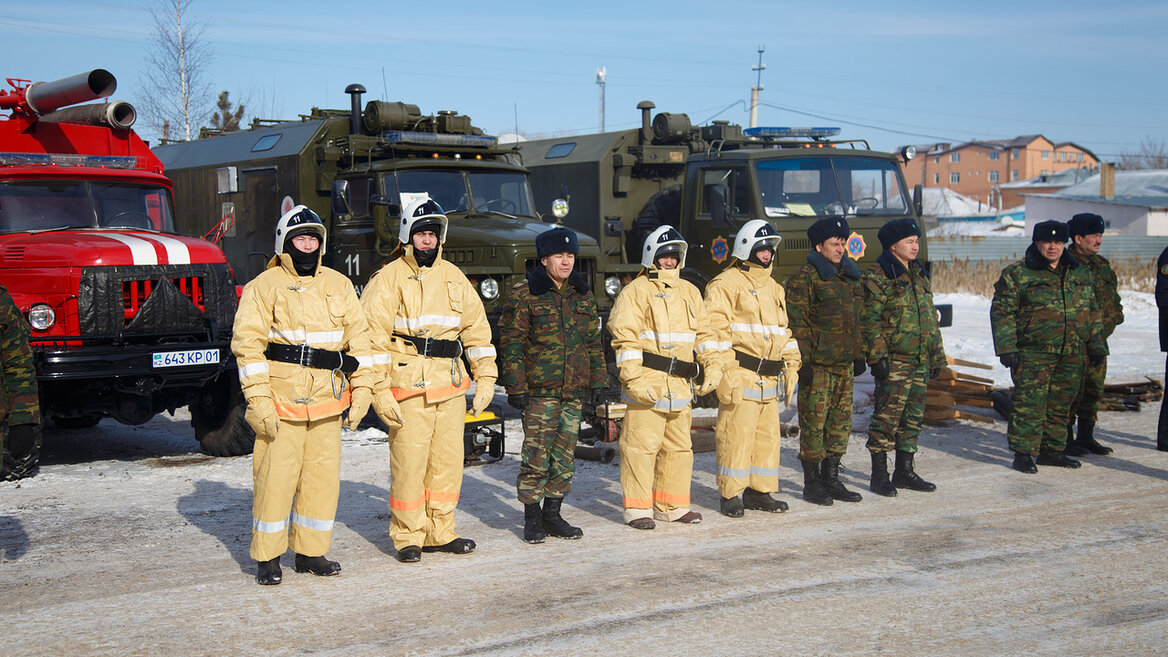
x: 21, y: 461
x: 217, y: 417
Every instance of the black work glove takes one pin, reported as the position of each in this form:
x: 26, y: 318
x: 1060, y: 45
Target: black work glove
x: 1096, y: 359
x: 858, y: 367
x: 21, y: 438
x: 518, y: 402
x: 934, y: 373
x: 1010, y: 360
x: 880, y: 369
x: 806, y: 374
x: 597, y: 396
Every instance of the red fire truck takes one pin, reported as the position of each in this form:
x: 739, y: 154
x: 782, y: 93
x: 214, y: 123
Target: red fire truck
x: 128, y: 319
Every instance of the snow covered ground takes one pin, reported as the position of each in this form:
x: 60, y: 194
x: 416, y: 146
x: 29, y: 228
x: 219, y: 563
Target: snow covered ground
x: 131, y: 542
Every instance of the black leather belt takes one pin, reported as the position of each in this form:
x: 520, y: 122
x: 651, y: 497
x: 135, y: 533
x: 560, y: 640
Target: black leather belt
x: 671, y: 366
x: 306, y: 356
x: 760, y: 365
x: 434, y: 348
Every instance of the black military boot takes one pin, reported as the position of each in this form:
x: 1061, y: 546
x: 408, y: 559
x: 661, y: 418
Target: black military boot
x: 731, y: 507
x: 1024, y: 463
x: 812, y: 487
x: 829, y: 475
x: 905, y: 477
x: 1087, y: 441
x: 268, y: 572
x: 758, y: 501
x: 316, y: 565
x: 1073, y: 446
x: 1057, y: 459
x: 533, y: 523
x: 880, y: 483
x: 553, y: 524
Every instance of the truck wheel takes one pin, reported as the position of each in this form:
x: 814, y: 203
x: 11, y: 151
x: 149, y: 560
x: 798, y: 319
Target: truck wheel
x: 217, y: 417
x: 21, y: 461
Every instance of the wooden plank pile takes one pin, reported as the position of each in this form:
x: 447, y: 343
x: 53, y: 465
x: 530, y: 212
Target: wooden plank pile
x: 955, y: 395
x: 1127, y: 396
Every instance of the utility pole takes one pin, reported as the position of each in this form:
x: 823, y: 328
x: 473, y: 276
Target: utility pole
x: 601, y: 73
x: 756, y: 88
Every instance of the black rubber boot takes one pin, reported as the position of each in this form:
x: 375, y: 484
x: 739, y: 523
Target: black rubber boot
x: 757, y: 501
x: 316, y: 565
x: 731, y: 507
x: 829, y: 474
x: 812, y: 487
x: 457, y: 546
x: 880, y: 483
x: 553, y: 524
x: 905, y: 477
x: 1087, y: 441
x: 1057, y: 459
x: 533, y: 523
x: 1024, y: 463
x: 1074, y: 448
x: 268, y: 572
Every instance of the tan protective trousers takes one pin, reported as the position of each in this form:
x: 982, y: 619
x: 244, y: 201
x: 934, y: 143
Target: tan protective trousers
x: 299, y: 471
x: 656, y: 463
x: 425, y: 469
x: 747, y: 442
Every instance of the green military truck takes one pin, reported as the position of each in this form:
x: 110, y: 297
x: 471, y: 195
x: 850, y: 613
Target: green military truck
x: 709, y: 180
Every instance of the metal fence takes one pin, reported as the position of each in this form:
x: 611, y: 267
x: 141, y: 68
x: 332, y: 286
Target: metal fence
x: 978, y: 247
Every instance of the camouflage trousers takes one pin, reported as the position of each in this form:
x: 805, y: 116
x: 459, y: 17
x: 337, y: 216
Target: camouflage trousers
x: 900, y: 408
x: 825, y: 413
x: 1045, y: 385
x: 1086, y: 404
x: 551, y: 426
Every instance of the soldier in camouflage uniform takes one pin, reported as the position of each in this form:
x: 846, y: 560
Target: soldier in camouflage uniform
x: 21, y: 406
x: 823, y: 305
x: 903, y: 344
x: 552, y: 357
x: 1086, y: 231
x: 1043, y: 321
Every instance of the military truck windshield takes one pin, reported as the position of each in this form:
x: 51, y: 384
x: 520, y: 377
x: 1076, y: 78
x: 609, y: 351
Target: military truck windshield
x: 505, y: 192
x: 824, y: 185
x: 56, y: 204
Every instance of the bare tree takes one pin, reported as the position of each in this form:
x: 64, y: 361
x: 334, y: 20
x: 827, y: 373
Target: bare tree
x: 174, y: 89
x: 226, y: 119
x: 1152, y: 154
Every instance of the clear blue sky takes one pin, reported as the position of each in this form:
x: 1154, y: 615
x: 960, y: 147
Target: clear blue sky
x: 891, y: 72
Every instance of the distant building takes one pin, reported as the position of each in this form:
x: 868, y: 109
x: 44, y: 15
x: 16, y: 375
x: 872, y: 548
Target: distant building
x: 1130, y: 202
x: 977, y: 168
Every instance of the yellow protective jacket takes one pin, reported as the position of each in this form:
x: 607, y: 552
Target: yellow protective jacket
x: 434, y: 302
x: 321, y: 311
x: 748, y: 310
x: 660, y: 313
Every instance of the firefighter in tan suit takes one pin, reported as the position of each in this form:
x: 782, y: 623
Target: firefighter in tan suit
x: 425, y: 316
x: 660, y: 333
x: 302, y: 346
x: 749, y: 310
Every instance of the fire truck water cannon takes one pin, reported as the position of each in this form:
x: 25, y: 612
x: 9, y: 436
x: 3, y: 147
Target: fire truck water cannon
x: 44, y: 101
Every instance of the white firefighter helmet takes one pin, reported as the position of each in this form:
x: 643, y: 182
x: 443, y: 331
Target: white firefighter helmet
x: 420, y: 211
x: 297, y: 221
x: 754, y: 233
x: 663, y: 241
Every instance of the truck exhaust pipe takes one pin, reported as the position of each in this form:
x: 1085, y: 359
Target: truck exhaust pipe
x: 45, y: 97
x: 118, y: 114
x: 646, y: 126
x: 355, y: 90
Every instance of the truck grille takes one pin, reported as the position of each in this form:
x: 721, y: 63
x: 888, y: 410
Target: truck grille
x: 135, y: 293
x: 141, y: 303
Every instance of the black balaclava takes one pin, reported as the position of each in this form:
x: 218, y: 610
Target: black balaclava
x: 426, y: 257
x: 304, y: 263
x: 761, y: 246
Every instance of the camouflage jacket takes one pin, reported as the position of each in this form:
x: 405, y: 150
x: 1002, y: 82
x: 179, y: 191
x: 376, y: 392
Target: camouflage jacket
x: 550, y: 338
x: 823, y: 304
x: 1106, y: 290
x: 898, y: 319
x: 21, y: 404
x: 1039, y: 309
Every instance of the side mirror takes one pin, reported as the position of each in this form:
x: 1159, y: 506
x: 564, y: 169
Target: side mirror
x: 341, y: 198
x: 385, y: 222
x: 719, y: 203
x: 918, y: 200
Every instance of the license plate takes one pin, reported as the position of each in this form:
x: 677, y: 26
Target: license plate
x: 184, y: 358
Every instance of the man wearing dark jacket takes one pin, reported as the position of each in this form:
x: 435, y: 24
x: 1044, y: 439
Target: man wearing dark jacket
x: 1162, y: 304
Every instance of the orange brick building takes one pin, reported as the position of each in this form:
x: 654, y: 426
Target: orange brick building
x: 976, y: 168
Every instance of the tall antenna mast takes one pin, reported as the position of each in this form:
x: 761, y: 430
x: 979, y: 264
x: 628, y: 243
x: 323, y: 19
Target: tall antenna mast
x: 601, y: 73
x: 756, y: 88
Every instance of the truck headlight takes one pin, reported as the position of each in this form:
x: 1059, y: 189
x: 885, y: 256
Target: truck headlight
x: 559, y: 208
x: 612, y: 286
x: 489, y: 288
x: 41, y: 316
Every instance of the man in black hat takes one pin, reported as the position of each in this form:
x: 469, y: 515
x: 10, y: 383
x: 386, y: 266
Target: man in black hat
x: 1086, y: 231
x: 1162, y: 304
x: 1043, y: 321
x: 823, y: 305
